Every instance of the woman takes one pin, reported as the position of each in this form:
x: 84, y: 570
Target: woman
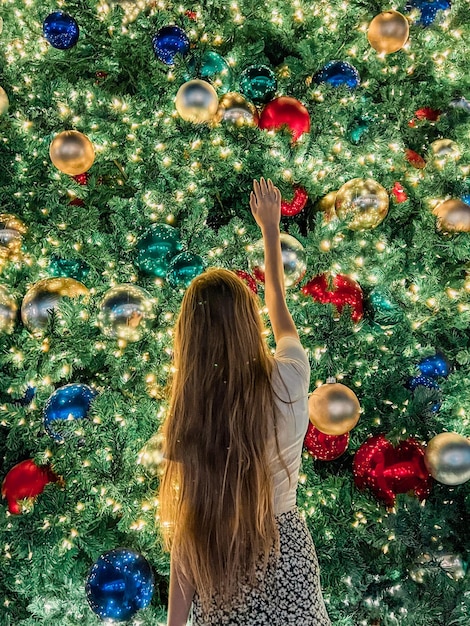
x: 240, y: 552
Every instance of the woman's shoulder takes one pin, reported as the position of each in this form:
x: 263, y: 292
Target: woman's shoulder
x: 291, y: 364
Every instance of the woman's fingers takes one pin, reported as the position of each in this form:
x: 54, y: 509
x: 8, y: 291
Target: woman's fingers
x: 265, y: 188
x: 253, y: 201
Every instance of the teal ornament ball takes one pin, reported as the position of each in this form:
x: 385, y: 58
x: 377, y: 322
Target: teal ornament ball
x: 382, y: 308
x: 212, y: 67
x: 156, y: 249
x: 127, y: 312
x: 183, y: 268
x: 68, y: 267
x: 258, y: 83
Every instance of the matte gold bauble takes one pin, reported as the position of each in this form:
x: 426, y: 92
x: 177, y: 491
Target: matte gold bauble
x: 197, y: 101
x: 362, y: 203
x: 4, y: 102
x: 233, y: 108
x: 447, y: 458
x: 388, y: 32
x: 12, y: 230
x: 72, y: 152
x: 453, y: 216
x: 8, y: 310
x: 333, y: 408
x: 45, y: 296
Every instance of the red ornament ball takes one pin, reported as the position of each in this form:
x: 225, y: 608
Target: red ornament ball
x: 298, y: 202
x: 325, y: 447
x: 415, y: 159
x: 77, y: 202
x: 286, y: 111
x: 339, y: 290
x: 387, y: 470
x: 248, y: 280
x: 25, y: 480
x: 399, y: 192
x: 82, y: 179
x: 426, y: 113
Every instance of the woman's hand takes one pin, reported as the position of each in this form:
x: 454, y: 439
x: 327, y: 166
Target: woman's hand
x: 265, y: 204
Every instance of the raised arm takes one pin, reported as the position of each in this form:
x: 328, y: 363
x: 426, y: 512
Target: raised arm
x: 265, y: 204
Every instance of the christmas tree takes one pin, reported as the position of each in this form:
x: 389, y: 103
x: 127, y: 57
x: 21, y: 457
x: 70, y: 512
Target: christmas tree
x: 131, y: 132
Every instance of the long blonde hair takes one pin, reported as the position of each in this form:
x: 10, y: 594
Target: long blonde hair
x: 216, y: 493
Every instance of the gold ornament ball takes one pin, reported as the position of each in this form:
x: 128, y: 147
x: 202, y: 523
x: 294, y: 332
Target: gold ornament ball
x: 4, y: 102
x: 327, y: 206
x: 126, y: 312
x: 151, y: 455
x: 453, y: 216
x: 8, y: 310
x: 235, y: 109
x: 72, y: 152
x: 12, y: 230
x: 45, y: 296
x: 444, y: 150
x: 447, y: 458
x: 388, y: 32
x: 363, y: 203
x: 197, y: 101
x: 333, y: 409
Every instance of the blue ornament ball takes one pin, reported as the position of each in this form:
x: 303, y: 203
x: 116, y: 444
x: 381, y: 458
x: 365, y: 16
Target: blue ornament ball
x: 338, y: 74
x: 183, y: 268
x: 427, y: 383
x: 434, y: 366
x: 27, y: 398
x: 168, y: 42
x: 67, y: 404
x: 119, y: 584
x: 60, y: 30
x: 428, y: 9
x: 466, y: 198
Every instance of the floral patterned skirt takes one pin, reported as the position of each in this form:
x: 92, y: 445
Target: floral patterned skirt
x: 288, y: 592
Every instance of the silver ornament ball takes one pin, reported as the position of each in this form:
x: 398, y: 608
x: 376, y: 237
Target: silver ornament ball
x: 447, y: 458
x: 294, y: 260
x: 127, y: 312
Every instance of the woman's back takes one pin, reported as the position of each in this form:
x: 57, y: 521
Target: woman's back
x: 240, y: 552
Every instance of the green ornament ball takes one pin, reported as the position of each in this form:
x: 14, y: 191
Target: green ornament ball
x: 183, y: 268
x: 258, y: 83
x: 212, y: 67
x: 156, y: 249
